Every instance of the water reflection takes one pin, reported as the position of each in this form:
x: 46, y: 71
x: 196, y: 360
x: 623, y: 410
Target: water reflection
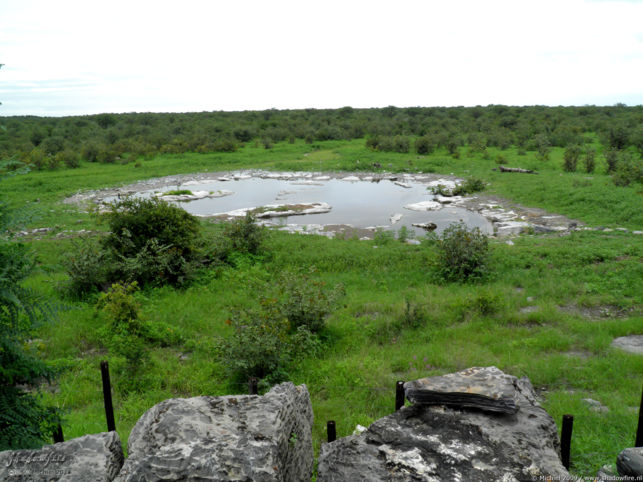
x: 358, y: 203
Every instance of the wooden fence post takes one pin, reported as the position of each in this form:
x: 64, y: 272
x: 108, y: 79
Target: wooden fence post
x: 639, y: 429
x: 399, y: 395
x: 58, y: 434
x: 107, y: 396
x: 330, y: 430
x: 566, y: 439
x: 253, y: 386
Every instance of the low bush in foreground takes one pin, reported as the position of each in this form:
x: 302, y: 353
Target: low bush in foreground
x: 279, y: 330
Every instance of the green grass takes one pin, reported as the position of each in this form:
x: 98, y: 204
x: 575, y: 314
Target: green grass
x: 370, y: 345
x: 178, y: 192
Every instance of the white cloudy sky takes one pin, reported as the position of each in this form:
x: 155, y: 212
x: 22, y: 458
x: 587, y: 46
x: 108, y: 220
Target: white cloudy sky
x: 86, y: 56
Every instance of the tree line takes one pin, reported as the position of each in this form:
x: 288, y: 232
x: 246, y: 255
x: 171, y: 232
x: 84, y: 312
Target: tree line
x: 55, y: 141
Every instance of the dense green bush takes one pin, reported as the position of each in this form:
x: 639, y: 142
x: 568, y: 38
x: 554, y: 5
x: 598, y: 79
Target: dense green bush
x: 128, y: 335
x: 37, y: 158
x: 589, y: 159
x: 611, y: 156
x: 134, y: 222
x: 88, y: 266
x: 463, y: 254
x: 150, y: 241
x: 242, y: 235
x: 424, y: 145
x: 629, y: 169
x: 389, y: 144
x: 262, y: 344
x: 469, y: 186
x: 69, y: 158
x: 571, y: 157
x: 281, y: 328
x: 307, y: 302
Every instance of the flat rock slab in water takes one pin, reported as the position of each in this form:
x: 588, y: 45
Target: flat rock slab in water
x: 281, y: 210
x: 424, y: 206
x: 630, y: 344
x: 485, y: 388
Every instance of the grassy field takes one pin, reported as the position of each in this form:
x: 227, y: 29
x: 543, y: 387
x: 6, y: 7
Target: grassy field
x: 549, y: 311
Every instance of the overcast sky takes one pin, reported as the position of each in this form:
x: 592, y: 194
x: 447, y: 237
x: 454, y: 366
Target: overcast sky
x: 82, y: 57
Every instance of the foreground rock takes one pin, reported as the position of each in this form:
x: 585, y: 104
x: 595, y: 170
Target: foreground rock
x: 229, y: 438
x: 630, y: 462
x: 437, y: 443
x: 485, y: 388
x: 97, y: 457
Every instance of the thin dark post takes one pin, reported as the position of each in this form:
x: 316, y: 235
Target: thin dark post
x: 566, y: 439
x: 399, y: 395
x: 252, y: 386
x: 330, y: 430
x: 107, y: 396
x: 58, y: 434
x: 639, y: 429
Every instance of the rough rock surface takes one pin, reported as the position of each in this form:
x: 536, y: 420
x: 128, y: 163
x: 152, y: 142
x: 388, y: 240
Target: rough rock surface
x: 630, y: 462
x: 631, y: 344
x: 436, y: 443
x: 96, y: 457
x: 486, y: 388
x: 229, y: 438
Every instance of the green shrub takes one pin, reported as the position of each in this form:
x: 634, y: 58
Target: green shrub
x: 469, y: 186
x: 134, y: 223
x: 611, y: 159
x: 243, y: 235
x: 424, y: 145
x: 178, y: 192
x: 307, y: 302
x: 401, y: 144
x: 383, y: 236
x: 589, y: 159
x: 88, y: 267
x: 150, y: 242
x: 121, y: 308
x: 463, y: 254
x: 90, y: 151
x: 570, y: 158
x: 404, y: 234
x: 543, y: 145
x: 69, y: 158
x: 124, y: 335
x: 262, y: 344
x: 37, y: 158
x: 628, y: 170
x: 486, y: 302
x: 414, y: 315
x: 156, y: 264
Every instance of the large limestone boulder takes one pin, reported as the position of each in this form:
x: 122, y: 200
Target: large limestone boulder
x: 438, y: 443
x: 229, y: 438
x: 96, y: 457
x: 630, y: 463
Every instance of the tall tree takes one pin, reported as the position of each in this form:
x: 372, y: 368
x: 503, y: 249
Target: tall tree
x: 24, y: 421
